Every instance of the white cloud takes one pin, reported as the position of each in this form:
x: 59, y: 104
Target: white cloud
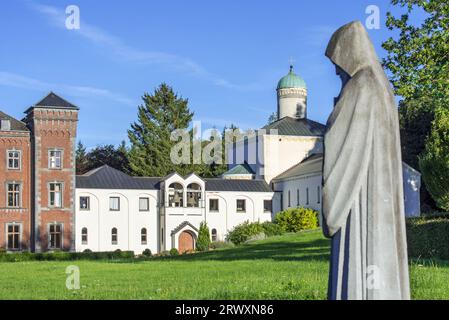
x: 117, y: 47
x: 19, y: 81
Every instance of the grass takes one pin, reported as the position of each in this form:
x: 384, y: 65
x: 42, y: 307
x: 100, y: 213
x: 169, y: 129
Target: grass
x: 292, y: 266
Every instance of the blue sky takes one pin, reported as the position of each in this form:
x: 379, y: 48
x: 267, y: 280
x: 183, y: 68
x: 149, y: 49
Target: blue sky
x: 225, y: 56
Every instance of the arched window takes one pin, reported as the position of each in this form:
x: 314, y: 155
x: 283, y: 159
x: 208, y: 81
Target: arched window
x: 84, y: 236
x: 143, y: 236
x: 214, y: 234
x: 114, y: 236
x: 175, y: 195
x: 193, y: 195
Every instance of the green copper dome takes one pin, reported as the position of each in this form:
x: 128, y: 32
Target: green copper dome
x: 291, y: 80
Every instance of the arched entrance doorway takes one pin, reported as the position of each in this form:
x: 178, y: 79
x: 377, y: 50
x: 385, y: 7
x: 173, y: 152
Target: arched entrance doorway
x: 186, y: 242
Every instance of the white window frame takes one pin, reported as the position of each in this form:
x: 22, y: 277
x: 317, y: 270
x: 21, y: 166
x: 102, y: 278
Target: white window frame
x: 61, y: 195
x: 50, y: 161
x: 19, y: 159
x: 147, y: 209
x: 19, y: 204
x: 110, y: 204
x: 50, y: 235
x: 7, y: 233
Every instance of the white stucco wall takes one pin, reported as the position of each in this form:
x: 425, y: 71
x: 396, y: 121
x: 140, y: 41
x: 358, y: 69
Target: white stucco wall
x: 129, y: 221
x: 283, y: 152
x: 275, y: 153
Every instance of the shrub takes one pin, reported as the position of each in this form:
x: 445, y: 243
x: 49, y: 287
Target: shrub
x: 297, y: 219
x: 203, y: 242
x: 2, y: 251
x: 243, y: 232
x: 428, y: 238
x: 174, y: 252
x: 271, y: 229
x: 146, y: 253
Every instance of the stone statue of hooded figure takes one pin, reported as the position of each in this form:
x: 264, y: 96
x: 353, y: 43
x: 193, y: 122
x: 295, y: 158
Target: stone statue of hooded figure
x: 363, y: 204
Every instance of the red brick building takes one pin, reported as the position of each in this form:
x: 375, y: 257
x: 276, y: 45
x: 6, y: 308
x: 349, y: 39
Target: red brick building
x: 15, y: 183
x: 39, y: 208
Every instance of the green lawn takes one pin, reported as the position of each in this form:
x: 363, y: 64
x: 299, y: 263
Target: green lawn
x: 292, y: 266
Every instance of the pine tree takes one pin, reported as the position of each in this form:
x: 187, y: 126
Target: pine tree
x: 203, y: 242
x: 82, y: 164
x: 435, y: 161
x: 161, y: 114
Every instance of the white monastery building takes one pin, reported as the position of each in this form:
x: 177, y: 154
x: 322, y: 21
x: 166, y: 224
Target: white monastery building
x: 279, y: 168
x: 47, y: 207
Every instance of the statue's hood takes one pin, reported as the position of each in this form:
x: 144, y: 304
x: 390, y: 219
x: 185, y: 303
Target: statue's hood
x: 351, y: 48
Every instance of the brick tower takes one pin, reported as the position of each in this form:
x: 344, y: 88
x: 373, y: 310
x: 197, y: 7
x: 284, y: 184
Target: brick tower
x: 53, y: 123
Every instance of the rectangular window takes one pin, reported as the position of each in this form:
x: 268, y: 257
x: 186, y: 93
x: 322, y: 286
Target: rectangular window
x: 289, y: 199
x: 307, y: 196
x: 267, y: 205
x: 213, y: 205
x: 241, y: 205
x: 55, y: 240
x: 54, y: 159
x: 318, y: 194
x: 84, y: 203
x: 55, y: 194
x: 13, y: 195
x: 14, y: 159
x: 114, y: 204
x: 297, y: 198
x: 13, y: 236
x: 144, y: 204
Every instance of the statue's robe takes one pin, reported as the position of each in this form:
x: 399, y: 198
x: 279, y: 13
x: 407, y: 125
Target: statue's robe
x: 363, y: 203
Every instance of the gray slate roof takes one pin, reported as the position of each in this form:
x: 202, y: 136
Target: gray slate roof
x: 55, y: 101
x: 237, y: 185
x: 288, y: 126
x: 16, y: 125
x: 106, y: 177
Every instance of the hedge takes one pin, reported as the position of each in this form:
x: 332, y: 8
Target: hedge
x: 428, y: 238
x: 65, y: 256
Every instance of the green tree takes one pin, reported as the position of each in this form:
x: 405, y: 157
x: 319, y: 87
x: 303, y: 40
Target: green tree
x: 418, y: 63
x: 108, y: 155
x: 203, y: 242
x: 272, y: 118
x: 434, y: 162
x: 82, y: 163
x: 161, y: 113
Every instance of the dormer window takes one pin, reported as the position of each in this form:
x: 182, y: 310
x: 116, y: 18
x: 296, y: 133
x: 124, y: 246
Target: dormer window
x: 5, y: 125
x: 54, y: 159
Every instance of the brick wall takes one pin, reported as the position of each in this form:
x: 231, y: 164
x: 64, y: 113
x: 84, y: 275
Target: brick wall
x: 21, y: 215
